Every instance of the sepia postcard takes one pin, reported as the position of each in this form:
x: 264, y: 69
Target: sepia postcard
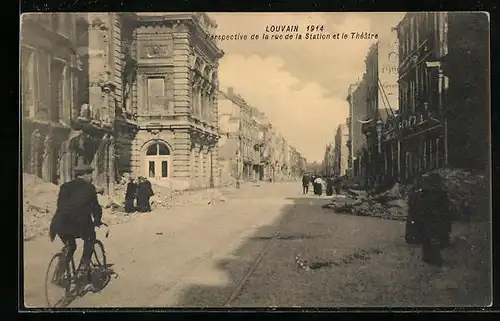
x: 255, y: 160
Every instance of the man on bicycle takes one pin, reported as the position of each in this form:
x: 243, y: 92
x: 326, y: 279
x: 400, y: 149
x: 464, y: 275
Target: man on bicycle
x: 78, y: 212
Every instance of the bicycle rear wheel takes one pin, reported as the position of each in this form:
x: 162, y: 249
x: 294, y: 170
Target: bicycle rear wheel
x: 56, y: 283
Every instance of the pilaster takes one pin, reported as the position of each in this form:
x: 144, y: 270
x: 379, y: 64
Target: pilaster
x: 182, y: 85
x: 181, y: 155
x: 100, y: 67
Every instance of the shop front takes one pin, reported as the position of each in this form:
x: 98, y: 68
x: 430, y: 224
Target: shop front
x: 407, y: 147
x: 421, y: 145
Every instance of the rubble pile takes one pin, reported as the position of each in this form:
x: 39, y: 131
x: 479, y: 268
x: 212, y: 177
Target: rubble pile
x: 391, y: 204
x: 468, y: 196
x: 468, y: 193
x: 349, y: 184
x: 39, y: 205
x: 40, y: 200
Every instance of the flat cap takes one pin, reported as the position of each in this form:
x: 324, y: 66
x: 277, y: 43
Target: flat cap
x: 83, y: 169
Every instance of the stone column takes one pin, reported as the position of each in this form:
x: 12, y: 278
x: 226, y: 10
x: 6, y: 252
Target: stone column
x: 198, y: 101
x: 35, y: 152
x: 111, y: 164
x: 99, y: 64
x: 192, y: 163
x: 47, y: 169
x: 184, y: 61
x: 65, y: 162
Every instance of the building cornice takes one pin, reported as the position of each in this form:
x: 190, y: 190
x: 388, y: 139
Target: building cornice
x: 402, y: 21
x: 42, y: 31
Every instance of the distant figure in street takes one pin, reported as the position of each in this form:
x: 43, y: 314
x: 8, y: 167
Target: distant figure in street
x: 305, y: 183
x: 435, y: 219
x: 329, y: 185
x: 337, y: 182
x: 318, y: 186
x: 144, y: 192
x: 130, y: 195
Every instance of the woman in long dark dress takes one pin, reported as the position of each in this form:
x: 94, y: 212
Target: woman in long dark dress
x: 318, y: 186
x: 130, y: 196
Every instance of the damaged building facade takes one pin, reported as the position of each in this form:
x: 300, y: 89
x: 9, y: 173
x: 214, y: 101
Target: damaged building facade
x: 49, y: 71
x: 65, y: 116
x: 444, y: 92
x: 122, y: 92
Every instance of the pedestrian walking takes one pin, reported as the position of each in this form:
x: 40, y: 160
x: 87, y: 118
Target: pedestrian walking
x: 130, y: 195
x: 144, y: 193
x: 435, y: 221
x: 305, y: 183
x: 318, y: 186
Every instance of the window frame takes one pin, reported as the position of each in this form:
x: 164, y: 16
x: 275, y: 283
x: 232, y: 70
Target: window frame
x: 29, y: 72
x: 151, y: 77
x: 157, y: 153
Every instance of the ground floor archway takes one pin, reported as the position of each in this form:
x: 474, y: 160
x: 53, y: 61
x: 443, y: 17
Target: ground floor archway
x: 156, y: 161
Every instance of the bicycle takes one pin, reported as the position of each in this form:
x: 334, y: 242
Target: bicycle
x: 70, y: 281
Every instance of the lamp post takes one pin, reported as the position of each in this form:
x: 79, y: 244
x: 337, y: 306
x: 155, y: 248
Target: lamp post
x: 212, y: 185
x: 238, y: 163
x: 378, y: 128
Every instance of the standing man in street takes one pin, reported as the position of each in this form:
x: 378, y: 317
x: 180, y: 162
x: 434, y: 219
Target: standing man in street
x: 329, y: 185
x: 78, y: 212
x: 305, y: 183
x: 144, y: 193
x: 435, y: 221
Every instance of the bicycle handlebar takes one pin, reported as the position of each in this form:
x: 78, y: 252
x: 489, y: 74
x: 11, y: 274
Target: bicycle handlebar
x: 107, y: 230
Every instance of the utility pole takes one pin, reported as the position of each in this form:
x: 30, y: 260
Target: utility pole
x: 212, y: 185
x: 238, y: 153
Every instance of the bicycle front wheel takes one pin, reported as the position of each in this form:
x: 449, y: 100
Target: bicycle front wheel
x: 99, y: 272
x: 56, y: 282
x: 99, y: 255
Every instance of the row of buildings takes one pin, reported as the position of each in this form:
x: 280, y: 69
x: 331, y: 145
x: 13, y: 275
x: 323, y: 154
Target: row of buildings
x: 250, y: 147
x: 423, y: 101
x: 123, y: 92
x: 336, y: 159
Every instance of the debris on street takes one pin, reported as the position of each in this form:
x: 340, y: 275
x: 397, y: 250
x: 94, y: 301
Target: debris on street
x: 40, y: 200
x: 39, y: 205
x: 467, y: 192
x: 359, y: 255
x: 390, y: 204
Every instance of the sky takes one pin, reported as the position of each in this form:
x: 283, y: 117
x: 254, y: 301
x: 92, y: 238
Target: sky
x: 300, y: 84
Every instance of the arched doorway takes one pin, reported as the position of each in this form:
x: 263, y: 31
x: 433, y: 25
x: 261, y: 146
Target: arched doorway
x: 156, y: 164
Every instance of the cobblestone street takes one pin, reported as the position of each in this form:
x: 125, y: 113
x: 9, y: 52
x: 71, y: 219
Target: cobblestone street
x: 243, y: 252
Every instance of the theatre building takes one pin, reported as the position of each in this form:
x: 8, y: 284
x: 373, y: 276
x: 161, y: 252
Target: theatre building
x: 174, y: 97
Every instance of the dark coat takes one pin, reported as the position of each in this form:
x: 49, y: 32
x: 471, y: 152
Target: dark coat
x: 144, y: 190
x: 131, y: 192
x: 329, y: 187
x: 306, y: 180
x: 77, y: 205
